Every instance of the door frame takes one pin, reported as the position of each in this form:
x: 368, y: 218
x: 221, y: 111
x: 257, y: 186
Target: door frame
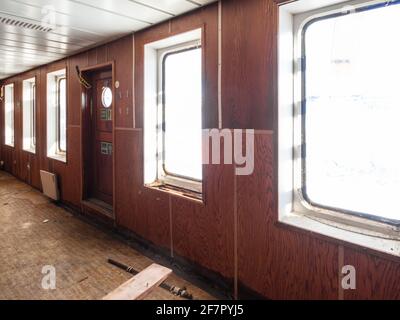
x: 85, y: 70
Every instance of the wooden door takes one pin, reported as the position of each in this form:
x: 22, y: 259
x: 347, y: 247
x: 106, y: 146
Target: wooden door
x: 102, y: 137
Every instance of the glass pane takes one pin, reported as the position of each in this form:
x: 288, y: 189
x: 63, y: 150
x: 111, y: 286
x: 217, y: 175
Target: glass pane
x: 28, y: 114
x: 9, y: 115
x: 352, y: 112
x: 63, y: 115
x: 33, y: 117
x: 106, y: 97
x: 183, y: 124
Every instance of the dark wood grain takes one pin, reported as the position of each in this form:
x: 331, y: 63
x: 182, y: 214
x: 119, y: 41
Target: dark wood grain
x: 203, y: 232
x: 249, y: 30
x: 128, y: 175
x: 139, y: 209
x: 74, y: 89
x: 276, y: 263
x: 376, y: 278
x: 121, y: 52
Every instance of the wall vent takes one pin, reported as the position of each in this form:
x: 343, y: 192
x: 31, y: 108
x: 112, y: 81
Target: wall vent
x: 26, y: 25
x: 50, y: 185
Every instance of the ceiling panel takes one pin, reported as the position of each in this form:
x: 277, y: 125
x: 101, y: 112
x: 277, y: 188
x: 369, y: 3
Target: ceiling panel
x: 172, y: 7
x: 43, y: 42
x: 51, y: 36
x: 72, y: 15
x: 127, y: 9
x: 36, y: 32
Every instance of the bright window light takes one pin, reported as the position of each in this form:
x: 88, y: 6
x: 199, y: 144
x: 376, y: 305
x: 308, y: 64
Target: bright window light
x: 351, y: 112
x: 182, y: 102
x: 57, y: 115
x: 173, y: 76
x: 9, y: 115
x: 29, y: 115
x: 62, y: 115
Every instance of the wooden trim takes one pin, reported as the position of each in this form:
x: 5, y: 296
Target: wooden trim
x: 133, y: 82
x: 128, y: 129
x: 114, y: 139
x: 174, y: 192
x: 235, y: 235
x: 220, y: 123
x: 99, y: 66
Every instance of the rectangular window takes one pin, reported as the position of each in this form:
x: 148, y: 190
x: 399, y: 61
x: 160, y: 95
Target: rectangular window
x: 181, y: 135
x: 29, y: 115
x: 350, y: 112
x: 9, y: 115
x: 57, y: 115
x: 173, y: 112
x: 61, y: 115
x: 339, y: 160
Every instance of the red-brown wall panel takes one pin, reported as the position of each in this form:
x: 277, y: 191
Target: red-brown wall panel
x: 70, y: 173
x: 139, y: 209
x: 203, y: 232
x: 121, y: 52
x: 273, y: 261
x: 376, y: 278
x: 74, y: 89
x: 249, y: 33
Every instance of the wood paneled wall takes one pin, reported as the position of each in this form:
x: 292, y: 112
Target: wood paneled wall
x: 235, y: 232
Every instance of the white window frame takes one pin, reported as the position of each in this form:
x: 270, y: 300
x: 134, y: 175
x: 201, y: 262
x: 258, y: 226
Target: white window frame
x: 29, y: 104
x: 53, y: 105
x: 59, y: 151
x: 155, y: 174
x: 163, y: 175
x: 12, y: 143
x: 293, y: 209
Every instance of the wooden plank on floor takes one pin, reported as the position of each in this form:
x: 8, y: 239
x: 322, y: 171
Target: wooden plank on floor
x: 140, y: 285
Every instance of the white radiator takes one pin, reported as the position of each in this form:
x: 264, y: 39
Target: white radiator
x: 50, y: 185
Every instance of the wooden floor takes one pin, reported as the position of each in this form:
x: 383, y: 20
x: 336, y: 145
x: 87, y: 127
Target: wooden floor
x: 35, y: 233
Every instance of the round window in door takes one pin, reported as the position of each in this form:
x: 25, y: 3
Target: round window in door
x: 106, y: 97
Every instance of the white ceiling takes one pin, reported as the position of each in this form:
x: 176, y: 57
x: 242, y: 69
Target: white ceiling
x: 75, y: 25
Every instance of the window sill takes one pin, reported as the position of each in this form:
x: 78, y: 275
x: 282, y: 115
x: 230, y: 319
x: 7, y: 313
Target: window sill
x: 32, y: 151
x: 182, y: 193
x: 386, y: 246
x: 61, y: 158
